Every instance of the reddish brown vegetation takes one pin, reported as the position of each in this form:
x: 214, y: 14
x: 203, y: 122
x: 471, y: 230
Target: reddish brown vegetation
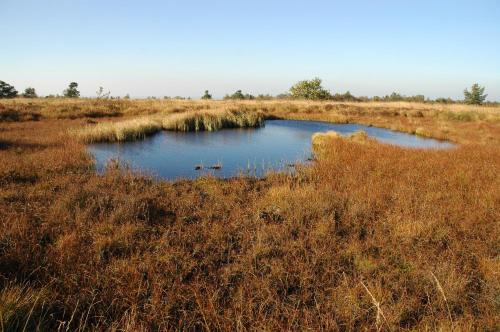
x: 370, y: 236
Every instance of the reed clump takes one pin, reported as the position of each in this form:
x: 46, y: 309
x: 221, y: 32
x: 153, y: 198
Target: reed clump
x: 321, y: 140
x: 213, y: 120
x: 129, y: 130
x: 318, y: 140
x: 361, y: 137
x: 23, y: 308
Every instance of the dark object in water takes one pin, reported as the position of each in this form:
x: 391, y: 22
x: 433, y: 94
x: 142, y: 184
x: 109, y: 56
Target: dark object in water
x: 198, y: 167
x: 216, y: 166
x: 290, y: 165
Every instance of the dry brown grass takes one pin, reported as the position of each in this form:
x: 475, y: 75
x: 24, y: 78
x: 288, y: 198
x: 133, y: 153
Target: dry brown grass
x: 321, y: 141
x: 371, y: 236
x: 456, y: 122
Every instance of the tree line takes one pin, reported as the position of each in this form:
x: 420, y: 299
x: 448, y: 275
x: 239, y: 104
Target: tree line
x: 306, y: 89
x: 8, y: 91
x: 312, y: 89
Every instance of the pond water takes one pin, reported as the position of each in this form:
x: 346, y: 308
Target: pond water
x: 173, y: 155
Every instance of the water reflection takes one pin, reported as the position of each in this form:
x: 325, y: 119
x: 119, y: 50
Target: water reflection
x: 174, y: 155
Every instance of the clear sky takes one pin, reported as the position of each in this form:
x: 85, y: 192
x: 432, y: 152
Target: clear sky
x: 157, y: 48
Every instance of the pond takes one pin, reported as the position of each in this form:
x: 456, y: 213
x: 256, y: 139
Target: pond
x: 229, y: 152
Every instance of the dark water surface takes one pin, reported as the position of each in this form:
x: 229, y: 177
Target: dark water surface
x: 173, y: 155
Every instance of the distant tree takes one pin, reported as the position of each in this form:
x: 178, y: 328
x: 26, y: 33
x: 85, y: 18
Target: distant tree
x: 101, y: 94
x: 349, y: 97
x: 7, y: 90
x: 309, y: 89
x: 264, y: 97
x: 237, y: 95
x: 444, y: 100
x: 72, y: 91
x: 344, y: 97
x: 206, y: 95
x: 284, y: 95
x: 416, y: 98
x: 395, y: 96
x: 127, y: 96
x: 476, y: 95
x: 29, y: 93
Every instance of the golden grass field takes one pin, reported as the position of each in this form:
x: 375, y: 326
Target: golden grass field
x: 370, y: 237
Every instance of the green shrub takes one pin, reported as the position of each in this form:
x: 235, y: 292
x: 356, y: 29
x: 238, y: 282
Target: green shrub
x: 207, y: 96
x: 30, y: 93
x: 72, y: 91
x: 310, y: 89
x: 7, y: 90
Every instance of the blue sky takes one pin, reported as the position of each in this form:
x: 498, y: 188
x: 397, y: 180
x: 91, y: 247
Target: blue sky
x: 157, y: 48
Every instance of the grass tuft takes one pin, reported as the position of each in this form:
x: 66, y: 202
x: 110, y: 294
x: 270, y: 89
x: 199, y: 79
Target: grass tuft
x: 135, y: 129
x: 128, y: 130
x: 21, y: 308
x: 212, y: 120
x: 320, y: 141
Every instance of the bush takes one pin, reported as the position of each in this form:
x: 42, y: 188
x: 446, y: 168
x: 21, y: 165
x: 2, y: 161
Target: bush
x: 344, y: 97
x: 444, y: 100
x: 207, y: 96
x: 7, y: 90
x: 395, y: 96
x: 30, y: 93
x: 238, y: 95
x: 72, y: 91
x: 265, y: 97
x: 309, y: 89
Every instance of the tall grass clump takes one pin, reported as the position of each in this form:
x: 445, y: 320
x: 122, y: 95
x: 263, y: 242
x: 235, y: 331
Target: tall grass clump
x: 130, y: 130
x: 462, y: 116
x: 22, y: 308
x: 321, y: 140
x: 213, y: 120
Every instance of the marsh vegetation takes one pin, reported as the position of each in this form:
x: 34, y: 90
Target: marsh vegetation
x: 371, y: 236
x: 129, y: 130
x: 279, y: 145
